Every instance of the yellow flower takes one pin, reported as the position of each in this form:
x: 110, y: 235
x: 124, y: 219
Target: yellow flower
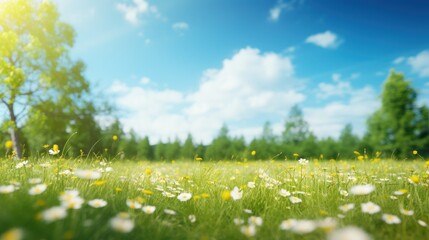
x: 226, y: 195
x: 147, y: 192
x: 115, y: 138
x: 199, y: 158
x: 205, y: 195
x: 8, y: 144
x: 360, y: 158
x: 12, y: 234
x: 118, y: 189
x: 148, y: 171
x: 253, y: 153
x: 414, y: 179
x: 415, y: 152
x: 99, y: 182
x: 196, y: 197
x: 356, y: 153
x: 296, y: 155
x: 54, y: 150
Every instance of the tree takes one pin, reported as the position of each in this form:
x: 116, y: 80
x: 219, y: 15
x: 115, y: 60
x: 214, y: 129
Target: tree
x: 145, y: 150
x: 35, y: 65
x: 393, y: 127
x: 188, y: 149
x: 347, y: 142
x: 296, y: 128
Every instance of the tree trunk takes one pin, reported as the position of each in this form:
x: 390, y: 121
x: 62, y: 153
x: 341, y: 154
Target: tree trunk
x: 14, y: 132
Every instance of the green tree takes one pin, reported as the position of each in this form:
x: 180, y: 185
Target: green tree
x: 393, y: 127
x: 296, y: 128
x: 145, y: 150
x: 347, y: 142
x: 129, y: 145
x: 188, y: 149
x: 35, y: 65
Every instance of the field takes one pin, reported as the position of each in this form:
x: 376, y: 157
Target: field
x: 52, y: 198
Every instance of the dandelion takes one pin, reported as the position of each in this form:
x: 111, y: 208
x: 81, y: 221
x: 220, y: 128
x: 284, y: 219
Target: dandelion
x: 346, y: 207
x: 8, y: 144
x: 362, y: 189
x: 133, y: 204
x: 115, y: 138
x: 349, y: 233
x: 422, y: 223
x: 54, y: 213
x: 38, y: 189
x: 192, y: 218
x: 148, y: 209
x: 303, y: 161
x: 415, y: 152
x: 87, y: 174
x: 122, y: 223
x: 198, y: 159
x: 406, y: 212
x: 414, y: 179
x: 97, y: 203
x: 54, y: 150
x: 236, y: 194
x: 248, y: 231
x: 284, y: 193
x: 13, y: 234
x: 226, y: 195
x: 169, y: 212
x: 253, y: 153
x: 391, y: 219
x: 370, y: 208
x: 251, y: 184
x: 295, y: 200
x: 295, y: 155
x: 7, y: 189
x: 183, y: 197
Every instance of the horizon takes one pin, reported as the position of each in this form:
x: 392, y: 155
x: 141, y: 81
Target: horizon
x: 161, y: 63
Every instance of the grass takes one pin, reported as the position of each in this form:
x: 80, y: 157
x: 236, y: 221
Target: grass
x: 317, y: 184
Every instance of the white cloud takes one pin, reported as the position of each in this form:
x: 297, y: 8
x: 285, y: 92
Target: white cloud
x: 340, y: 88
x: 145, y: 80
x: 330, y: 119
x: 249, y: 85
x: 399, y: 60
x: 276, y: 11
x: 132, y: 12
x: 326, y: 39
x: 420, y: 63
x: 180, y: 26
x: 336, y: 77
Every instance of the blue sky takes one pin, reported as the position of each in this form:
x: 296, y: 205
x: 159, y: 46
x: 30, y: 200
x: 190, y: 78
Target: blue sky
x: 178, y: 67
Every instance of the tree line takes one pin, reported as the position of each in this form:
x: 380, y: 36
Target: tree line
x: 46, y: 99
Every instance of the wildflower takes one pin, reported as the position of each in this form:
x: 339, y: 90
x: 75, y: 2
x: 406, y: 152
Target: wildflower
x: 370, y: 208
x: 248, y: 231
x: 414, y: 179
x: 248, y: 211
x: 344, y: 193
x: 38, y: 189
x: 303, y: 161
x: 327, y: 224
x: 192, y: 218
x: 97, y: 203
x: 253, y: 153
x: 169, y: 212
x: 253, y: 220
x: 13, y: 234
x: 133, y: 204
x: 350, y: 233
x: 54, y: 213
x: 284, y: 193
x: 7, y: 189
x: 183, y: 197
x: 362, y: 189
x: 360, y: 158
x: 147, y: 192
x: 288, y: 224
x: 21, y: 164
x: 199, y: 159
x: 34, y: 180
x: 406, y: 212
x: 400, y: 192
x: 415, y: 152
x: 236, y: 194
x: 304, y: 226
x: 115, y: 138
x: 295, y: 155
x: 238, y: 221
x: 251, y: 184
x: 69, y: 194
x: 148, y: 209
x: 54, y: 150
x: 347, y: 207
x: 87, y: 174
x: 8, y: 144
x: 73, y: 203
x: 422, y: 223
x: 205, y: 195
x: 122, y: 223
x: 391, y: 219
x: 295, y: 200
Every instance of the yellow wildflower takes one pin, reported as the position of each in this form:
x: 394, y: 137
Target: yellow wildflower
x: 253, y: 153
x: 415, y: 152
x: 99, y: 182
x: 226, y: 195
x: 147, y: 192
x: 115, y: 138
x: 8, y: 144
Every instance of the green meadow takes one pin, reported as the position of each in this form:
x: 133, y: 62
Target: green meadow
x: 52, y: 198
